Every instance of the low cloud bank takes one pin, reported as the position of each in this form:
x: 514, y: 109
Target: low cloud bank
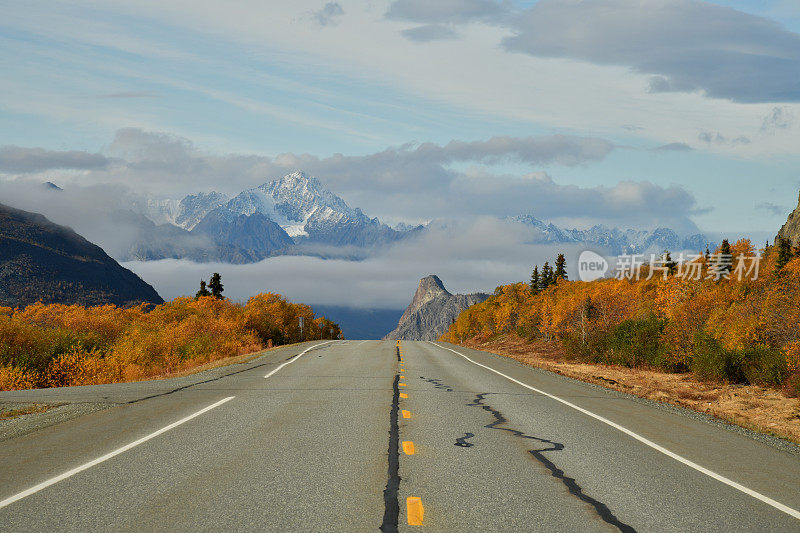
x: 472, y: 259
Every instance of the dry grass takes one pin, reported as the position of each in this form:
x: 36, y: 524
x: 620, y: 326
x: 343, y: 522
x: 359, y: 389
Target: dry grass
x: 757, y: 408
x: 8, y: 414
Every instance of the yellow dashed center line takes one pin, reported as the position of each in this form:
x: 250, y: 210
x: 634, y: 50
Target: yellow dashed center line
x: 408, y: 447
x: 403, y: 395
x: 415, y: 511
x: 406, y: 414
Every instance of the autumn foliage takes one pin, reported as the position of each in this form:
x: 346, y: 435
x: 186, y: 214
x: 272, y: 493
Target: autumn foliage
x: 58, y: 345
x: 744, y: 331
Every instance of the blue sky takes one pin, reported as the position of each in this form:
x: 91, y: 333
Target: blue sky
x: 356, y: 78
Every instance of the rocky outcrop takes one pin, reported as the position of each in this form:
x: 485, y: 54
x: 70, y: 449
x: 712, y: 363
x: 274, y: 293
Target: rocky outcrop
x: 42, y: 261
x: 431, y: 311
x: 791, y: 230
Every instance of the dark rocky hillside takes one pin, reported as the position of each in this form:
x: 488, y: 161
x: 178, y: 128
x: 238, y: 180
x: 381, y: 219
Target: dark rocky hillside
x: 42, y: 261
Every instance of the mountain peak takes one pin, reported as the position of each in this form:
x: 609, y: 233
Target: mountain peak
x: 431, y: 310
x: 431, y: 284
x: 430, y: 288
x: 298, y: 179
x: 297, y: 196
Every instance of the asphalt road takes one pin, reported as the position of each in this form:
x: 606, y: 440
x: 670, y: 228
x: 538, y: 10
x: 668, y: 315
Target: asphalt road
x: 323, y: 443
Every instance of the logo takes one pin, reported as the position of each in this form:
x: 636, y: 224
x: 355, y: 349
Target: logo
x: 591, y: 266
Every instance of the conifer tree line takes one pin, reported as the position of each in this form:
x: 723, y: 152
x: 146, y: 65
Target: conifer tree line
x: 786, y: 253
x: 541, y: 280
x: 215, y: 284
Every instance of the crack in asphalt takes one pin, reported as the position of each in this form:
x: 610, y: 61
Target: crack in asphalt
x: 572, y: 486
x: 190, y: 385
x: 391, y: 504
x: 210, y: 380
x: 462, y: 441
x: 437, y: 383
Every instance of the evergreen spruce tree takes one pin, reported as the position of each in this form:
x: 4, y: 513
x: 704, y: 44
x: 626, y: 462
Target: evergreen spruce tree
x: 547, y: 275
x: 708, y: 254
x: 671, y: 265
x: 725, y: 256
x: 561, y: 268
x: 784, y: 253
x: 203, y: 290
x: 536, y: 281
x: 215, y: 284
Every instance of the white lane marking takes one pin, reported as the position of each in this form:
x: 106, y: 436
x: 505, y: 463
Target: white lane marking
x: 106, y: 457
x: 769, y: 501
x: 296, y: 357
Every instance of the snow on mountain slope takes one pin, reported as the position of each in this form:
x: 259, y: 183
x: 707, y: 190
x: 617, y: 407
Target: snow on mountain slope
x: 185, y: 213
x: 159, y: 210
x: 630, y: 241
x: 194, y: 207
x: 298, y: 196
x: 307, y: 211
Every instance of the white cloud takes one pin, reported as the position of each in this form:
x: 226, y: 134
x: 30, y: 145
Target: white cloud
x: 691, y: 45
x: 412, y: 182
x: 468, y: 259
x: 471, y: 73
x: 328, y: 14
x: 26, y: 160
x: 429, y: 32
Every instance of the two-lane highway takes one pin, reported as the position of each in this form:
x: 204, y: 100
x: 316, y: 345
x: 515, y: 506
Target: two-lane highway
x: 361, y: 435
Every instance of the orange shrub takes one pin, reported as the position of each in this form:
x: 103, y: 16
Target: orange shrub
x: 13, y: 378
x: 756, y: 319
x: 59, y: 345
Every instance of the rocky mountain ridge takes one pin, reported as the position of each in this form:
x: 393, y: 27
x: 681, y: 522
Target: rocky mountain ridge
x: 431, y: 311
x: 617, y: 241
x: 791, y: 229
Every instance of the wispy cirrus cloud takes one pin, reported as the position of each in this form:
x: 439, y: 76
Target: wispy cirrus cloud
x: 131, y: 94
x: 447, y: 11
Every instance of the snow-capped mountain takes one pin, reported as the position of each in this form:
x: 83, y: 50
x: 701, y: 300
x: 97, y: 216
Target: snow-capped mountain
x: 617, y: 241
x: 291, y: 215
x: 308, y: 212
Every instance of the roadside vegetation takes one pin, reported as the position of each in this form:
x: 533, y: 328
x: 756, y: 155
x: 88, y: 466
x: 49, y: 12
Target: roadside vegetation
x: 720, y: 331
x: 60, y: 345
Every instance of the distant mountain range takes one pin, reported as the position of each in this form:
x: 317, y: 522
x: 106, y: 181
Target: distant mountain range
x: 297, y: 215
x: 431, y: 311
x: 42, y: 261
x: 275, y: 218
x: 616, y: 241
